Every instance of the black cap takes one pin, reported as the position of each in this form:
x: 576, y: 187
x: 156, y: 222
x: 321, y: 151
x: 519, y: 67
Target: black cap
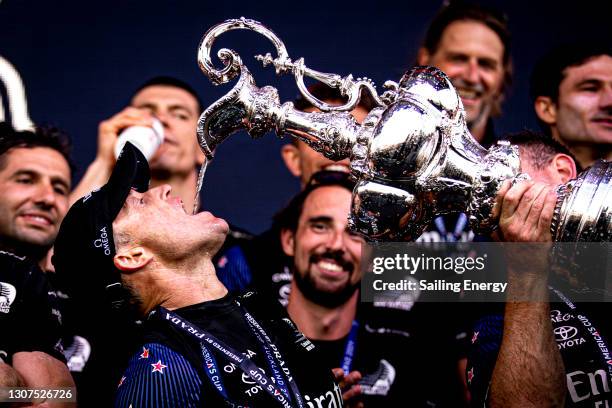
x: 84, y: 248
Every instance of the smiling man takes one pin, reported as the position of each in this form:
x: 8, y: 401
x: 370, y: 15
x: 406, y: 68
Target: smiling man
x: 35, y: 174
x: 243, y: 266
x: 325, y: 253
x: 324, y: 303
x: 572, y: 92
x: 471, y: 44
x: 35, y: 177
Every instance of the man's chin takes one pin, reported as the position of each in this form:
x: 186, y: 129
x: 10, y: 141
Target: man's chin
x: 37, y: 239
x: 472, y: 114
x: 326, y: 295
x: 33, y: 246
x: 216, y: 244
x: 165, y: 163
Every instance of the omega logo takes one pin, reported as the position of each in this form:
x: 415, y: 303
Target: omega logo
x: 102, y: 242
x: 557, y: 317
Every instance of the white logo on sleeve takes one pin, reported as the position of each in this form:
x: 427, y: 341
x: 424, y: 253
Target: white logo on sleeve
x: 77, y: 354
x: 380, y: 381
x: 7, y: 296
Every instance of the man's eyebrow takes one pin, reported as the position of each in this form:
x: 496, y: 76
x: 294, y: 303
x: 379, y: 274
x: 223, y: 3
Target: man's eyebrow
x: 180, y: 107
x: 453, y: 53
x: 37, y: 174
x: 25, y: 172
x: 589, y: 81
x: 148, y: 105
x: 60, y: 180
x: 320, y: 218
x: 487, y: 60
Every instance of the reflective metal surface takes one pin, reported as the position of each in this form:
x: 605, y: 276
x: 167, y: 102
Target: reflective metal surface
x: 584, y: 206
x: 413, y: 156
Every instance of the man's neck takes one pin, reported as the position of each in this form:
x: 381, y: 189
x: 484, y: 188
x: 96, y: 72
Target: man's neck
x: 478, y: 130
x: 587, y: 154
x: 176, y: 290
x: 32, y: 253
x: 183, y: 186
x: 318, y: 322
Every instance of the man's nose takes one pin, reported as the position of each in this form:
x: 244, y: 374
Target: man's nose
x: 164, y: 191
x: 605, y: 101
x: 163, y: 117
x: 336, y: 241
x: 45, y: 195
x: 472, y: 72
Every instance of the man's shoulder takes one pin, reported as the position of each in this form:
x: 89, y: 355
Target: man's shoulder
x: 251, y: 263
x: 152, y: 356
x: 263, y: 306
x: 6, y: 256
x: 264, y: 250
x: 157, y: 370
x: 226, y: 323
x: 11, y: 263
x: 20, y: 274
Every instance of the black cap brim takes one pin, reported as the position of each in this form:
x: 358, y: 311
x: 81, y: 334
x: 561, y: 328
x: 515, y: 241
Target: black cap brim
x: 130, y: 172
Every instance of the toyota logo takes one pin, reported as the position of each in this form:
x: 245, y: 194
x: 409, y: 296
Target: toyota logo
x: 564, y: 333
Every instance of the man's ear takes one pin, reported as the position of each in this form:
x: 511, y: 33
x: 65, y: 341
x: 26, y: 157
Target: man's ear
x: 291, y: 156
x: 288, y: 242
x: 423, y: 56
x: 565, y: 167
x: 546, y: 110
x: 132, y: 259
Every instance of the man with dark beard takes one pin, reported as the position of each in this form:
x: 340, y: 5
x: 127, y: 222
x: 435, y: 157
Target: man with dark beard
x: 324, y: 303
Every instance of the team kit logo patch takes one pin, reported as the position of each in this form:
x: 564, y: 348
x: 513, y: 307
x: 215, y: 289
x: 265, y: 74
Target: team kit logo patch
x: 7, y: 296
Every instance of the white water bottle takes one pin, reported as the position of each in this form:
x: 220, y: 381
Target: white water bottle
x: 146, y: 139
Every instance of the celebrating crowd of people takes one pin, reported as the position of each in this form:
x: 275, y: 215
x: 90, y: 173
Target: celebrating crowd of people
x: 115, y: 289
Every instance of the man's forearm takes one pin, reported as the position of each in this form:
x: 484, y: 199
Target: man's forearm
x: 9, y: 377
x: 529, y: 371
x: 40, y: 370
x: 95, y: 176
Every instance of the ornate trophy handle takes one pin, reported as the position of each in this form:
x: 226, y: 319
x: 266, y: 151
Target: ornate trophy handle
x: 258, y: 110
x: 347, y: 86
x: 230, y: 59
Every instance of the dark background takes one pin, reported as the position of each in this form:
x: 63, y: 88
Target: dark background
x: 81, y: 61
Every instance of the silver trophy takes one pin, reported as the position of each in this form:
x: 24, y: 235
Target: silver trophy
x: 413, y: 156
